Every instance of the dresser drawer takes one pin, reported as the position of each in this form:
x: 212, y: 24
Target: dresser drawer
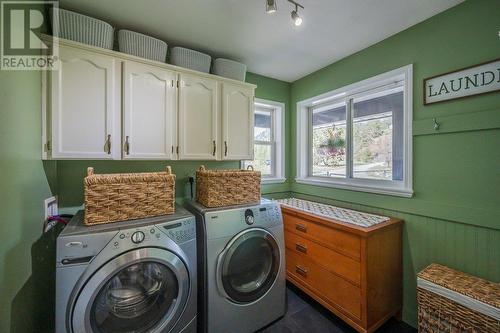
x: 341, y: 241
x: 334, y: 262
x: 330, y: 287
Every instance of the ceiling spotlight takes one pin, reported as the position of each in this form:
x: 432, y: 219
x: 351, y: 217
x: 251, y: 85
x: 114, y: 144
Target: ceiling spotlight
x: 271, y: 6
x: 297, y: 20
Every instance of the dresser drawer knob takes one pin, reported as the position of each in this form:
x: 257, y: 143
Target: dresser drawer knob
x: 301, y: 270
x: 301, y: 248
x: 301, y: 227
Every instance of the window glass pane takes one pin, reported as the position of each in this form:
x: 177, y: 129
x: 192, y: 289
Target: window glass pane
x: 262, y: 160
x: 263, y: 125
x: 378, y: 136
x: 329, y: 141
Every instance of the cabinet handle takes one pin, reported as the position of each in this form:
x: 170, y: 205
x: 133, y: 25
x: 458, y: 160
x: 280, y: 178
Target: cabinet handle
x: 301, y: 270
x: 126, y: 146
x: 107, y: 145
x: 215, y: 148
x: 301, y: 227
x: 225, y: 148
x: 300, y: 248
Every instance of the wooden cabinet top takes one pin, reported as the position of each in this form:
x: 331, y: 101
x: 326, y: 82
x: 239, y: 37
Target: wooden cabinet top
x: 344, y: 226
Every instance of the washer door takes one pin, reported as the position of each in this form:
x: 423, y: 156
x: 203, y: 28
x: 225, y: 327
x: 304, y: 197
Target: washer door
x: 144, y: 290
x: 248, y: 266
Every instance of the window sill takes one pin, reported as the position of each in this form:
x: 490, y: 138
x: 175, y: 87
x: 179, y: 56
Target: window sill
x: 265, y: 181
x: 386, y: 190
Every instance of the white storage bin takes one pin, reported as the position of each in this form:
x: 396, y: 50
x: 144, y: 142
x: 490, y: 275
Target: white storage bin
x: 230, y: 69
x: 82, y: 28
x: 190, y: 59
x: 141, y: 45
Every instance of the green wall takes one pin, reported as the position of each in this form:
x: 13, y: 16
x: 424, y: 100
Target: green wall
x: 70, y: 174
x: 23, y: 186
x: 454, y: 216
x: 26, y: 270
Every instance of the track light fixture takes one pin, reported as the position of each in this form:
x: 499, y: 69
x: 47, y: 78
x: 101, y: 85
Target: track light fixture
x: 271, y: 7
x: 297, y: 20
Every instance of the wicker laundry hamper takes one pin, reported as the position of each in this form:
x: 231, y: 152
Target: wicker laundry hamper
x: 217, y: 188
x: 452, y: 301
x: 127, y: 196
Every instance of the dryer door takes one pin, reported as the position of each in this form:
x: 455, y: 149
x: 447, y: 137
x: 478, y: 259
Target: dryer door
x: 248, y: 267
x: 144, y: 290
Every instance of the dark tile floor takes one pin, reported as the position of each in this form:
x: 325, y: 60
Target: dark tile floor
x: 304, y: 315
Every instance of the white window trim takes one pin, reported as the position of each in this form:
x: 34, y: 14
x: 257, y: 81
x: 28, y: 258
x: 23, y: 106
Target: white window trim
x: 279, y: 138
x: 403, y: 188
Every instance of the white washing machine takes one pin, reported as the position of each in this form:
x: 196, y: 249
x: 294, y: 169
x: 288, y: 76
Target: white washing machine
x: 134, y: 276
x: 241, y: 255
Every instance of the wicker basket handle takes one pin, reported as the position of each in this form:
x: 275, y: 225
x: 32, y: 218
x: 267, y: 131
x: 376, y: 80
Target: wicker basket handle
x: 90, y: 171
x: 250, y: 167
x: 202, y: 168
x: 168, y: 170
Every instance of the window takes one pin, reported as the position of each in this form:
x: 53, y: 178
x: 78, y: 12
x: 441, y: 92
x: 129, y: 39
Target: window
x: 268, y: 141
x: 359, y: 137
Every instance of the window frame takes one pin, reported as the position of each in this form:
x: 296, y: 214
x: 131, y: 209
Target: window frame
x: 347, y: 94
x: 277, y: 143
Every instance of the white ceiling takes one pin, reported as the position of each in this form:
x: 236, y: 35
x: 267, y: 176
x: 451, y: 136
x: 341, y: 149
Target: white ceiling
x: 268, y: 43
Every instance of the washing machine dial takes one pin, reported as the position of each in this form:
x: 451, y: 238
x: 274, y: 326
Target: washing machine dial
x: 249, y: 219
x: 137, y: 237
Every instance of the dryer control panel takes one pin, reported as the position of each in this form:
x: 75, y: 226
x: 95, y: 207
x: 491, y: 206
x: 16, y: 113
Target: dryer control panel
x: 228, y: 222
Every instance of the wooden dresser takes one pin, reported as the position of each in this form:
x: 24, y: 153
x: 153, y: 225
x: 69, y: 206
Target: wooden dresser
x: 355, y: 272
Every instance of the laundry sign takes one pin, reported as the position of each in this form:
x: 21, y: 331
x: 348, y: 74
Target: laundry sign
x: 475, y: 80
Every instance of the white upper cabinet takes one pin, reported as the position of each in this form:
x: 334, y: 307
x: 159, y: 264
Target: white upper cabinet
x: 237, y: 122
x: 85, y: 106
x: 103, y: 104
x: 149, y: 112
x: 198, y: 118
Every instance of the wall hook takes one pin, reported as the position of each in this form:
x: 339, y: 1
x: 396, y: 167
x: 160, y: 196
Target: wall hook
x: 436, y: 124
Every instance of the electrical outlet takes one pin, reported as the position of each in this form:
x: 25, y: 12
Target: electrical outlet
x: 51, y: 207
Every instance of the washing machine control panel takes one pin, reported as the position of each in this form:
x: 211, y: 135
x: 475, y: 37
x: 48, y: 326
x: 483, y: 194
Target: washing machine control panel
x: 181, y: 231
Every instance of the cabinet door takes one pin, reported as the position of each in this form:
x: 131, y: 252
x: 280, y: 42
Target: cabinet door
x: 149, y: 112
x: 198, y: 118
x: 237, y: 122
x: 85, y: 106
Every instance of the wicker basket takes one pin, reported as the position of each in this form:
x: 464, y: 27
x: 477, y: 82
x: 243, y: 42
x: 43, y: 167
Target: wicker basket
x: 141, y: 45
x: 217, y: 188
x: 81, y: 28
x: 119, y: 197
x: 191, y: 59
x: 230, y: 69
x: 452, y: 301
